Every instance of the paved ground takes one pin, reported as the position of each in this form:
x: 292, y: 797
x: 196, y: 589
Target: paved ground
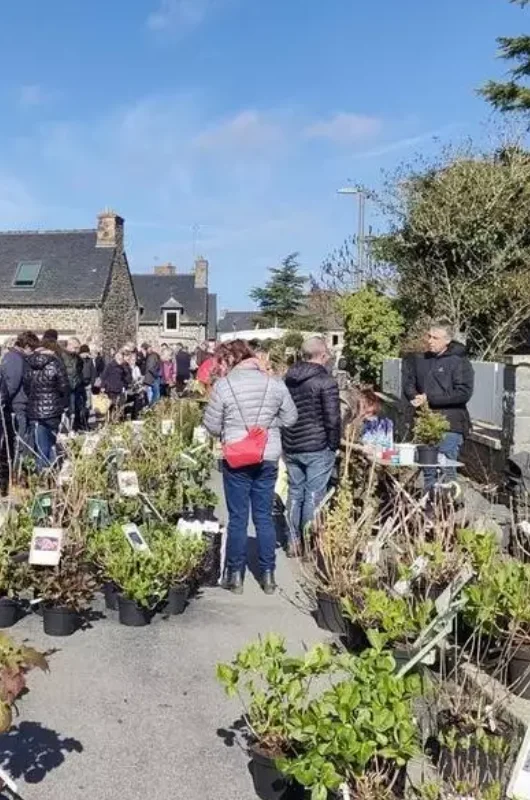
x: 137, y: 714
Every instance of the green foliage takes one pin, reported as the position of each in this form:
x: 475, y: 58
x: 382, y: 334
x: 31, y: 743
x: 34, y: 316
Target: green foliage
x: 136, y: 576
x: 363, y: 721
x: 388, y: 619
x: 460, y: 241
x: 429, y: 427
x: 512, y: 95
x: 282, y: 297
x: 178, y: 557
x: 373, y: 326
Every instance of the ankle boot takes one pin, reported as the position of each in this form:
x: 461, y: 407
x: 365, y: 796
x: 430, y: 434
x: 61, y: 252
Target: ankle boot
x: 233, y: 581
x: 268, y: 584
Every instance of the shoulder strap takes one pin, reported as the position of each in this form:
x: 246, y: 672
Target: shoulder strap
x: 239, y: 407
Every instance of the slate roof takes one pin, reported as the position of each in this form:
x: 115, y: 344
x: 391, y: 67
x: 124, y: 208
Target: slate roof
x: 74, y: 271
x: 153, y: 292
x: 238, y: 321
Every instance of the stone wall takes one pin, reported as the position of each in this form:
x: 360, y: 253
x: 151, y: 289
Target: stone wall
x: 189, y: 335
x: 85, y: 323
x: 120, y: 311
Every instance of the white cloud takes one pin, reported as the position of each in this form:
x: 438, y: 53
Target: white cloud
x: 345, y: 129
x: 32, y: 95
x: 179, y: 15
x: 406, y: 143
x: 247, y: 131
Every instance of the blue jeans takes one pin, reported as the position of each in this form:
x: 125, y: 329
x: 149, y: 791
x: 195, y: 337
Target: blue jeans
x: 309, y: 475
x: 45, y: 437
x: 450, y: 448
x: 250, y: 488
x: 153, y: 392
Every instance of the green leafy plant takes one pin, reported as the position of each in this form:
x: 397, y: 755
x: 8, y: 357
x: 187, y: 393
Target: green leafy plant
x: 429, y: 427
x: 15, y: 662
x: 397, y: 620
x: 178, y: 557
x: 363, y: 724
x: 136, y: 576
x: 274, y: 688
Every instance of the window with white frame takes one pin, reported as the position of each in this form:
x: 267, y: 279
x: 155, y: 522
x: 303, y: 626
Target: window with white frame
x: 171, y: 321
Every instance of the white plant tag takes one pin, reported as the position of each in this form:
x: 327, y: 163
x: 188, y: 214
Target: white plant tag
x: 135, y: 538
x: 519, y: 786
x: 211, y: 526
x: 200, y: 435
x: 45, y: 548
x: 128, y: 484
x: 167, y: 427
x: 66, y: 473
x: 90, y: 444
x: 190, y: 527
x: 402, y: 587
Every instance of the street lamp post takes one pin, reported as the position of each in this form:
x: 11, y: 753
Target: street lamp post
x: 361, y: 239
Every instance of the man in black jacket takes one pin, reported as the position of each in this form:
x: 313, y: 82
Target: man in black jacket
x: 311, y: 444
x: 442, y: 377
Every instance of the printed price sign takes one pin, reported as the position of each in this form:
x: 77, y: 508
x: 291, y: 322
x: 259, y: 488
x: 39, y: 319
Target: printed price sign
x: 128, y: 484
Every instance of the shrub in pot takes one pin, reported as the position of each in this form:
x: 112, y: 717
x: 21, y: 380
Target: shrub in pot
x: 12, y: 581
x: 274, y: 690
x: 65, y: 590
x: 140, y: 588
x: 15, y: 662
x: 102, y: 545
x: 362, y: 725
x: 178, y: 558
x: 429, y: 430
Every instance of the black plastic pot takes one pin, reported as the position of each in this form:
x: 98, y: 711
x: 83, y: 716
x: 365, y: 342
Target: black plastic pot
x: 329, y: 614
x: 203, y: 513
x: 110, y: 593
x: 177, y: 598
x: 458, y: 765
x: 519, y: 672
x: 211, y: 571
x: 60, y: 621
x: 131, y: 614
x: 269, y: 782
x: 426, y: 454
x: 356, y: 639
x: 9, y: 612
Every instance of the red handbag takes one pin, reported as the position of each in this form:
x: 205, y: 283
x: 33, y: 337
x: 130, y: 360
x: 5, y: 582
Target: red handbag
x: 249, y: 451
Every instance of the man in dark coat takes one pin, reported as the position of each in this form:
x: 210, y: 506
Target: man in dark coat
x: 442, y: 377
x: 310, y: 446
x: 13, y: 369
x: 6, y: 437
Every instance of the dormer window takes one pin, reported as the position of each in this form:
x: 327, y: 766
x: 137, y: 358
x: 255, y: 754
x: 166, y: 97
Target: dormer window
x: 27, y: 274
x: 171, y: 321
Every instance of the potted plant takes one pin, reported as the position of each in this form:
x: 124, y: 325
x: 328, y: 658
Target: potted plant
x: 15, y: 662
x: 274, y: 690
x: 429, y: 429
x: 362, y: 725
x: 139, y: 586
x: 178, y: 558
x: 101, y: 546
x: 12, y: 581
x: 65, y: 590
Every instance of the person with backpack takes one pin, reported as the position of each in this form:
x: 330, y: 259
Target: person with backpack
x: 247, y: 409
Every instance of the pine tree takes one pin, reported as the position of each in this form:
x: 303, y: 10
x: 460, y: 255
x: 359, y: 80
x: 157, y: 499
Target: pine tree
x: 512, y: 95
x: 282, y: 297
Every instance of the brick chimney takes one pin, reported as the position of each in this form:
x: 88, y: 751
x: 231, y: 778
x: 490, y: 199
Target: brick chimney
x: 165, y: 269
x: 201, y: 273
x: 110, y: 230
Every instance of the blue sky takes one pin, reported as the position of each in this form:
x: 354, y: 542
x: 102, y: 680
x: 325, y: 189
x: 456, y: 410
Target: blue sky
x: 242, y: 117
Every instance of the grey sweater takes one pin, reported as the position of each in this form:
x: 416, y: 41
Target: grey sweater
x: 251, y: 387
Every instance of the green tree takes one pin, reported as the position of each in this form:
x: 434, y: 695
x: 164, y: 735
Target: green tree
x: 512, y: 95
x: 282, y: 297
x: 372, y: 330
x: 460, y: 240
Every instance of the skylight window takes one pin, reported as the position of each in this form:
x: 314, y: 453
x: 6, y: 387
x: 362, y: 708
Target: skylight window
x: 27, y: 274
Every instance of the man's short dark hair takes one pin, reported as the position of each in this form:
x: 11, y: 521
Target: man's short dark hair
x: 51, y: 335
x: 27, y: 339
x: 84, y: 349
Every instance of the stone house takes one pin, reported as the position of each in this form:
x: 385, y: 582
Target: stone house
x: 77, y: 282
x: 176, y: 308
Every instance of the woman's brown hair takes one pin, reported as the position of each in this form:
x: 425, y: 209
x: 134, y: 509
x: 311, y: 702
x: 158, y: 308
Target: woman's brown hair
x: 233, y: 353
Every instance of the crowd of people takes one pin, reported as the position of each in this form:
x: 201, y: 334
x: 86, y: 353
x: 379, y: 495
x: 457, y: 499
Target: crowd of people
x: 45, y: 384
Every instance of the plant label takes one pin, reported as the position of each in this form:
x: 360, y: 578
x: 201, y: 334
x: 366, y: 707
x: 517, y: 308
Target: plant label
x: 42, y: 506
x: 211, y: 526
x: 45, y: 548
x: 200, y: 435
x: 8, y: 781
x: 66, y: 473
x: 167, y: 427
x: 190, y: 527
x: 519, y: 786
x: 402, y: 587
x: 453, y: 590
x: 128, y: 484
x: 135, y: 538
x: 149, y: 505
x: 138, y: 427
x: 98, y: 511
x: 90, y: 444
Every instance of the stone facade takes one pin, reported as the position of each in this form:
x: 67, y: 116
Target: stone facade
x: 189, y: 335
x: 85, y: 323
x: 120, y: 309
